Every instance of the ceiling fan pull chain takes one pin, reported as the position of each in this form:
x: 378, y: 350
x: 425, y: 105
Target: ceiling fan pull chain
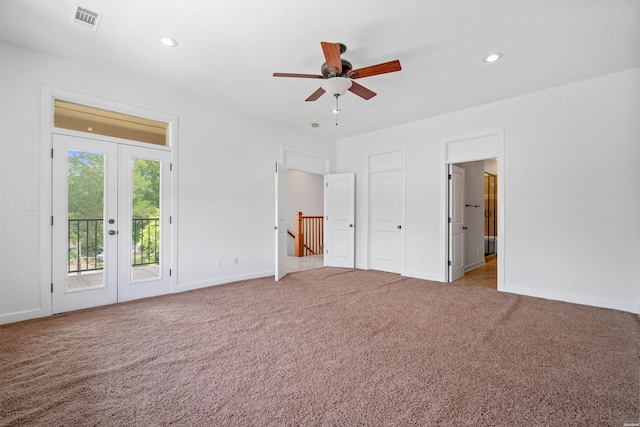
x: 337, y: 110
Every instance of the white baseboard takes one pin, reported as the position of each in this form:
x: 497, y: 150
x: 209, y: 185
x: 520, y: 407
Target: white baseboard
x: 421, y: 275
x: 575, y: 299
x: 36, y: 313
x: 19, y: 316
x: 221, y: 281
x: 474, y: 265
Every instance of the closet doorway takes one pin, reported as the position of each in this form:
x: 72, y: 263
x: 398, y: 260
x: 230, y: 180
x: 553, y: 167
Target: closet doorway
x: 476, y: 196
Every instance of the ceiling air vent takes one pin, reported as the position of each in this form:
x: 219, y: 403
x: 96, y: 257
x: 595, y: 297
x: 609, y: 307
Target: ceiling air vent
x: 86, y: 17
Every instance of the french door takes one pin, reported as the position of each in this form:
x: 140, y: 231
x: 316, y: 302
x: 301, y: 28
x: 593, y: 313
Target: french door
x: 111, y: 219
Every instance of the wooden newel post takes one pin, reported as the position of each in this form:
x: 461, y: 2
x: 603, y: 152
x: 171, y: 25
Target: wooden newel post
x: 299, y: 244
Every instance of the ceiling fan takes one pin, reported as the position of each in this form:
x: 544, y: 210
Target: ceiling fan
x: 339, y: 74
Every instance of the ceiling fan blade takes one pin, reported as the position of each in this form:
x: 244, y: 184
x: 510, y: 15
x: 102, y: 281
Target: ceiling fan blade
x: 315, y: 95
x: 361, y: 91
x: 304, y: 76
x: 373, y: 70
x: 332, y: 55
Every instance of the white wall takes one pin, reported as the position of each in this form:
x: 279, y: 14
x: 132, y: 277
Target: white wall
x: 582, y: 243
x: 583, y: 250
x: 305, y: 193
x: 225, y: 177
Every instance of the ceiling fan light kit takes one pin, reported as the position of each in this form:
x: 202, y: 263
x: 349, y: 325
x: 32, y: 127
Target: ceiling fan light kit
x: 339, y: 74
x: 337, y: 85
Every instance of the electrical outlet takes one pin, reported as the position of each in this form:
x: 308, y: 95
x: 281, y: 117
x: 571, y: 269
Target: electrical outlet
x: 219, y: 262
x: 235, y: 261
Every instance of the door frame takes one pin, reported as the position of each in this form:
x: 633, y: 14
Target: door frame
x: 383, y: 161
x: 47, y: 96
x: 301, y: 159
x: 483, y: 145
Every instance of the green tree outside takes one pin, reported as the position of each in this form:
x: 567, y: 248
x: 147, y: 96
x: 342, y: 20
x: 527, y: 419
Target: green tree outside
x: 85, y: 181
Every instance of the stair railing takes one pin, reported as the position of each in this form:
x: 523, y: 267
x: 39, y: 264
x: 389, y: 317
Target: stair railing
x: 309, y: 239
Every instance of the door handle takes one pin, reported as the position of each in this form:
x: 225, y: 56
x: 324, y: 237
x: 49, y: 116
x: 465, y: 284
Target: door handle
x: 399, y: 227
x: 465, y: 228
x: 350, y: 225
x: 112, y: 232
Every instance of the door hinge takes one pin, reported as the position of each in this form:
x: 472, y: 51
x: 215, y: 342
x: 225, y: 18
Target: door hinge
x: 51, y: 220
x: 449, y: 176
x: 52, y: 153
x: 449, y: 263
x: 170, y: 220
x: 276, y: 167
x: 449, y: 220
x: 327, y: 184
x: 51, y: 287
x: 169, y: 272
x: 326, y: 218
x: 326, y: 251
x: 170, y: 167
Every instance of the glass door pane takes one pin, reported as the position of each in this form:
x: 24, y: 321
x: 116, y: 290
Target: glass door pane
x: 145, y: 219
x: 144, y: 212
x: 85, y: 217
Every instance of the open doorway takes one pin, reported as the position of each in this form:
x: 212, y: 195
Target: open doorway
x: 471, y: 148
x: 304, y: 215
x: 338, y: 211
x: 478, y: 209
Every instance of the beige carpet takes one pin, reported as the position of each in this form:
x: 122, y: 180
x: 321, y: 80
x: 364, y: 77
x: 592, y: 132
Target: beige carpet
x: 325, y: 347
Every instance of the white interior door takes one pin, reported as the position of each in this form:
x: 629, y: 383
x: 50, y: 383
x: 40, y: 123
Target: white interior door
x: 111, y: 219
x: 85, y: 200
x: 456, y: 222
x: 339, y: 231
x: 281, y: 222
x: 386, y: 200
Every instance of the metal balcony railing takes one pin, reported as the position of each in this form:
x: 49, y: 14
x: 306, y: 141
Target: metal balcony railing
x: 86, y: 242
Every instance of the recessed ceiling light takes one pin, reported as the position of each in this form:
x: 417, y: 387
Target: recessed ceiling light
x: 492, y: 57
x: 169, y: 41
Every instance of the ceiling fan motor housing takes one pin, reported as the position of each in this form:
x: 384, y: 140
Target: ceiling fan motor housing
x: 346, y: 67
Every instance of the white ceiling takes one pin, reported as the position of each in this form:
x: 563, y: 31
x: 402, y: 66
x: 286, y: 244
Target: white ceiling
x: 230, y: 48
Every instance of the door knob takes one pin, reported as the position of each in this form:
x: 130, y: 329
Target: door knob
x: 111, y: 221
x: 465, y: 228
x: 350, y: 225
x: 399, y: 227
x: 112, y: 232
